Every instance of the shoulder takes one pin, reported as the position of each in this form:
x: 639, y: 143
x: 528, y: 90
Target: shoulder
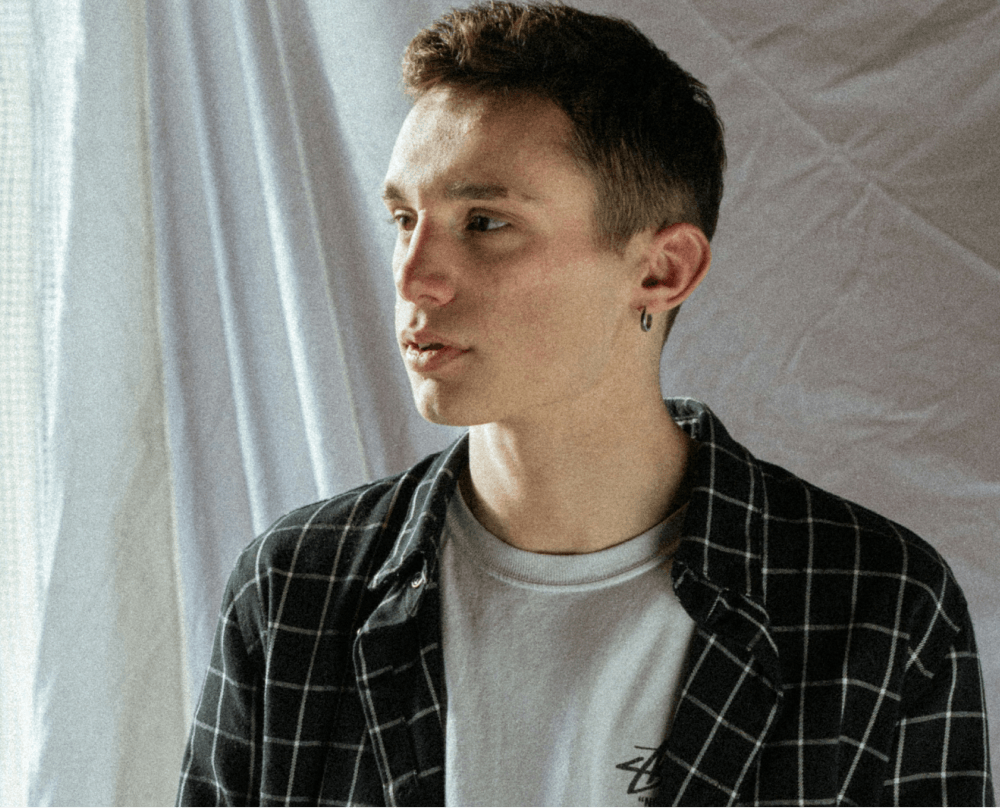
x: 806, y: 557
x: 755, y: 523
x: 323, y: 555
x: 808, y: 528
x: 328, y: 534
x: 832, y: 562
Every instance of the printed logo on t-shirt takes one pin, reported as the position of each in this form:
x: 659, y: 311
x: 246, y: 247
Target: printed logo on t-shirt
x: 646, y: 771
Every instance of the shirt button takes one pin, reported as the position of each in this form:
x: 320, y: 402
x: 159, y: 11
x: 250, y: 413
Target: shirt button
x: 418, y: 580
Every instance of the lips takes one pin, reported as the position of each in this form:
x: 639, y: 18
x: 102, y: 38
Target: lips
x: 432, y: 359
x: 425, y: 352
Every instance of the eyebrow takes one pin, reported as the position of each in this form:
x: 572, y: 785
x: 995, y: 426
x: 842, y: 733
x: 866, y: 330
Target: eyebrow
x: 457, y: 190
x: 473, y: 190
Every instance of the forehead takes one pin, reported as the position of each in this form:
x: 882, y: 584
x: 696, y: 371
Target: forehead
x: 454, y: 138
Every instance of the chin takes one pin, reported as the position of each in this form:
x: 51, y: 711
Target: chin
x: 438, y: 407
x: 447, y: 416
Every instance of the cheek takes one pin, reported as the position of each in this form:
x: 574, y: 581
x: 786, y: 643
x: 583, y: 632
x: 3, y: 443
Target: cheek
x: 548, y: 312
x: 535, y: 318
x: 551, y: 335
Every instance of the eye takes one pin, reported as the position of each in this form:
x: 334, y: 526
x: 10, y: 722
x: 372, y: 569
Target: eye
x: 402, y: 220
x: 484, y: 224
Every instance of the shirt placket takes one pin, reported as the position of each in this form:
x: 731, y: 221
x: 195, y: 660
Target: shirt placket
x: 394, y: 655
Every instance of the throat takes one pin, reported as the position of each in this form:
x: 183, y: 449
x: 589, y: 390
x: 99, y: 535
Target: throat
x: 581, y: 500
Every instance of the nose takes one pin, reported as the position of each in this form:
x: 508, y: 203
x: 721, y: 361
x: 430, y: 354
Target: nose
x: 423, y: 266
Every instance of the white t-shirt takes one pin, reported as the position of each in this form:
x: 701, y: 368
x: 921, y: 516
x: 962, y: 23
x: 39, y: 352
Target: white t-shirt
x: 561, y: 670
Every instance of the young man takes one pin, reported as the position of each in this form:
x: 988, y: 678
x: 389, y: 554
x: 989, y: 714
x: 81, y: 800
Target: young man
x: 595, y: 596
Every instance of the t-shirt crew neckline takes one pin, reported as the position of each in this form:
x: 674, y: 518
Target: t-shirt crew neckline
x: 576, y: 572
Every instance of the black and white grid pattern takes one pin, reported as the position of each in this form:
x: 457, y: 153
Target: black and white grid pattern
x: 833, y: 663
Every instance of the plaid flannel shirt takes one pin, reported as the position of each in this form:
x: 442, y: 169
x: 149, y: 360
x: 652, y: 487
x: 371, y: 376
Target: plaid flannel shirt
x: 833, y: 660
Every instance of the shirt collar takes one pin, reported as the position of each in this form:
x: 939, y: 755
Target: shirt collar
x: 718, y: 568
x: 724, y: 524
x: 722, y: 530
x: 421, y: 531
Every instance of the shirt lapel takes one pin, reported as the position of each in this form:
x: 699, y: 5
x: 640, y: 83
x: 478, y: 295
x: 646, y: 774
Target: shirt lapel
x: 733, y: 691
x: 730, y: 700
x: 398, y: 663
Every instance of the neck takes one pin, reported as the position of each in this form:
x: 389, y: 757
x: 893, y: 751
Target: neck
x: 577, y: 483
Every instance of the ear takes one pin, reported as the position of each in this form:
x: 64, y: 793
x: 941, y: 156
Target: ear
x: 676, y: 259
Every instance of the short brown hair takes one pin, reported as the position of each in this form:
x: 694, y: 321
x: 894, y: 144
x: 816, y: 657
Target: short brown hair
x: 643, y: 128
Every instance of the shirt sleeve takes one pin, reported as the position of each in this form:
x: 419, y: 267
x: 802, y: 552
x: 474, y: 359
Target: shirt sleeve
x: 222, y: 761
x: 942, y: 743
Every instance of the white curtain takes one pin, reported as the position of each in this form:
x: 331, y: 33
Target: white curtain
x: 18, y: 401
x: 98, y: 715
x: 205, y: 337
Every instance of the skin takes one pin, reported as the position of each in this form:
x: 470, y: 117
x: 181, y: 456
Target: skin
x: 571, y: 448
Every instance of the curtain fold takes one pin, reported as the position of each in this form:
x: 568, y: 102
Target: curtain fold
x: 109, y: 706
x: 19, y: 617
x: 295, y: 229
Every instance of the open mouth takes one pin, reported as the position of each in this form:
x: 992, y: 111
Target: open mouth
x: 431, y: 357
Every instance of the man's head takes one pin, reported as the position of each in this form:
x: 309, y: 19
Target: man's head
x: 644, y: 130
x: 533, y: 227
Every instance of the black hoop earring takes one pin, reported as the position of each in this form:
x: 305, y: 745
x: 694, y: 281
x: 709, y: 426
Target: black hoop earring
x: 645, y: 320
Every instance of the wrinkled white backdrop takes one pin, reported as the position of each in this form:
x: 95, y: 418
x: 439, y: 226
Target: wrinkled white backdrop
x: 215, y: 310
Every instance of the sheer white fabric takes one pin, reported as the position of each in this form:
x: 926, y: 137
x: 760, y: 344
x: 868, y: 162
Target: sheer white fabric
x: 19, y: 617
x: 214, y: 302
x: 107, y: 703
